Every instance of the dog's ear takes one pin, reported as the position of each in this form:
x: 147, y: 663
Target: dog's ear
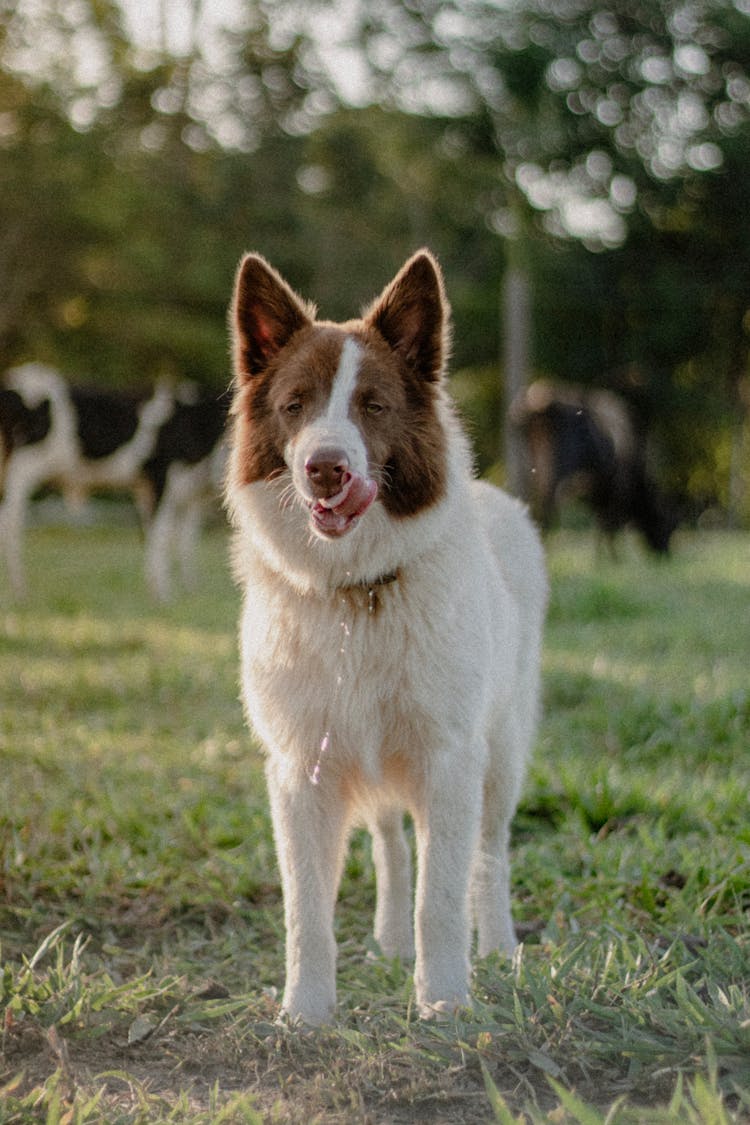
x: 266, y: 313
x: 412, y: 314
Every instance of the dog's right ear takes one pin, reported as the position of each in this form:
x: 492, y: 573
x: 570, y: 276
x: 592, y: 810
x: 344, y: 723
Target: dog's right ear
x: 266, y: 313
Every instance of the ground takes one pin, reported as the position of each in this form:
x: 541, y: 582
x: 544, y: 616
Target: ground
x: 140, y: 912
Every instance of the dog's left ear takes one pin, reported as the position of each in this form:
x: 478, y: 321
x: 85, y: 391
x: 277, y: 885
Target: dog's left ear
x: 412, y: 315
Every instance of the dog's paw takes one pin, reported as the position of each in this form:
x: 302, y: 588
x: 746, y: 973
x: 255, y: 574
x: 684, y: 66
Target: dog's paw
x: 442, y: 1011
x: 308, y: 1014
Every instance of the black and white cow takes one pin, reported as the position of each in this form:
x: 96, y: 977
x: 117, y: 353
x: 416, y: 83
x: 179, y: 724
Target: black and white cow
x: 79, y: 439
x: 20, y: 424
x: 184, y: 476
x: 583, y: 442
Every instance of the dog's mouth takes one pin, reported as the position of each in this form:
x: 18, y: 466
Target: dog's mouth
x: 334, y: 516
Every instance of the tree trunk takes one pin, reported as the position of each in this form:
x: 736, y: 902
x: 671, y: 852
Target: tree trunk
x: 516, y: 318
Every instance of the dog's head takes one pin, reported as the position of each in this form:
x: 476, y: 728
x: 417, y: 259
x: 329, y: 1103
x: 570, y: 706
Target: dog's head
x: 345, y: 413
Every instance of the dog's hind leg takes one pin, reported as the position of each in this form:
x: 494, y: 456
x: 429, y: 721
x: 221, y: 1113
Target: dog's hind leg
x: 391, y: 853
x: 309, y: 823
x: 490, y: 889
x: 491, y: 892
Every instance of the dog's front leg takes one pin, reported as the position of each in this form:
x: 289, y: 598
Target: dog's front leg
x: 446, y: 829
x: 309, y: 823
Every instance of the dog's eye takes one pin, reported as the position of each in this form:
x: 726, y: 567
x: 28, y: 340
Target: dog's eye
x: 374, y: 407
x: 293, y: 407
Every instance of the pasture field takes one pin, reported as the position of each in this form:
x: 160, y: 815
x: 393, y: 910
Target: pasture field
x: 140, y: 911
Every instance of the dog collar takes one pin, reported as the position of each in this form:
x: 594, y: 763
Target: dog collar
x: 371, y: 589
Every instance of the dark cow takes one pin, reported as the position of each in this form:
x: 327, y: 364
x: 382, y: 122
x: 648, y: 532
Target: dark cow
x: 583, y: 442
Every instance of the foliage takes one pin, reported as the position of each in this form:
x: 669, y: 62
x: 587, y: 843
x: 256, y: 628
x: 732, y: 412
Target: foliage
x: 140, y: 912
x: 607, y: 147
x: 625, y: 127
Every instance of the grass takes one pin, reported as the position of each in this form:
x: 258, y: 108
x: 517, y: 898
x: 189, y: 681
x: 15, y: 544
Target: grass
x: 140, y: 913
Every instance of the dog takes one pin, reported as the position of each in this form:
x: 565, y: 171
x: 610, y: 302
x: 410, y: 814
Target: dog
x: 583, y: 442
x: 165, y: 448
x: 390, y: 632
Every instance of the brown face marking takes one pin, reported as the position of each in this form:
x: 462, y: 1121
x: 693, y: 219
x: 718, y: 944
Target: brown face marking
x: 405, y: 440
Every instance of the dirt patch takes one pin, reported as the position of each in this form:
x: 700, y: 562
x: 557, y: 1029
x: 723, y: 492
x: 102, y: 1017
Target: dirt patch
x: 291, y: 1079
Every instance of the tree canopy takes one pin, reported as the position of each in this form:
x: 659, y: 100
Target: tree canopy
x: 606, y: 143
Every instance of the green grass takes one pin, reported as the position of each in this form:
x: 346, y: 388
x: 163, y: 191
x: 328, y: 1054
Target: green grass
x: 140, y: 912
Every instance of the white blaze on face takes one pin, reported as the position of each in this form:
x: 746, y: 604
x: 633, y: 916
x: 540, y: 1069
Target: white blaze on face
x: 344, y: 382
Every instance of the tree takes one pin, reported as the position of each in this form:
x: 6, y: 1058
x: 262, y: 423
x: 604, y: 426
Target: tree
x: 122, y: 214
x: 622, y: 127
x: 603, y: 145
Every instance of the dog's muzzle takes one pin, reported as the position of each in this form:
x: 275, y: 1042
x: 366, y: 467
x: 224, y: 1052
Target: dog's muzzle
x: 338, y: 496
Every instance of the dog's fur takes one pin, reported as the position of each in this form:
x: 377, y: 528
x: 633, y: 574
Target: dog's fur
x: 391, y: 628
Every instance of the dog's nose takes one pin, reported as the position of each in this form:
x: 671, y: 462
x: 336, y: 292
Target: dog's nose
x: 327, y: 471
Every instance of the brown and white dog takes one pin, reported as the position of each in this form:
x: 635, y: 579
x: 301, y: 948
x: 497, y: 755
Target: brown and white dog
x: 391, y: 628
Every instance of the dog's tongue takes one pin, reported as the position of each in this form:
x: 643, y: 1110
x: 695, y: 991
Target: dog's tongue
x: 335, y: 515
